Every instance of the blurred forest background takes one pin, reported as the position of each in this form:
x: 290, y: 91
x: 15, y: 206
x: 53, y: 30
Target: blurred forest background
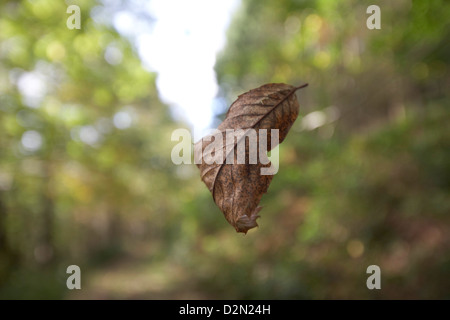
x: 86, y: 176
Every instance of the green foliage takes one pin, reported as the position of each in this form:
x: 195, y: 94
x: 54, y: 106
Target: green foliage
x: 367, y: 187
x: 69, y: 198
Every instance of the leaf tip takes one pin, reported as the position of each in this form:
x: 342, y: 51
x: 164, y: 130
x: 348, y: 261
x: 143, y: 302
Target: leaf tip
x: 246, y: 222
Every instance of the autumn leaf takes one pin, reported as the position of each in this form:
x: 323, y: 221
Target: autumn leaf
x: 237, y: 186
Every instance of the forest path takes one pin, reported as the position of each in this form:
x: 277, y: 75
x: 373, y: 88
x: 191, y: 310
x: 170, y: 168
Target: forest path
x: 137, y: 275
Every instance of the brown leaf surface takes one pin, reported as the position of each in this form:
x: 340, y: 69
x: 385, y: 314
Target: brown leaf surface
x: 238, y: 188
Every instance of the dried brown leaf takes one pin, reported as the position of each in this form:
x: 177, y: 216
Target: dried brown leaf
x: 238, y: 188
